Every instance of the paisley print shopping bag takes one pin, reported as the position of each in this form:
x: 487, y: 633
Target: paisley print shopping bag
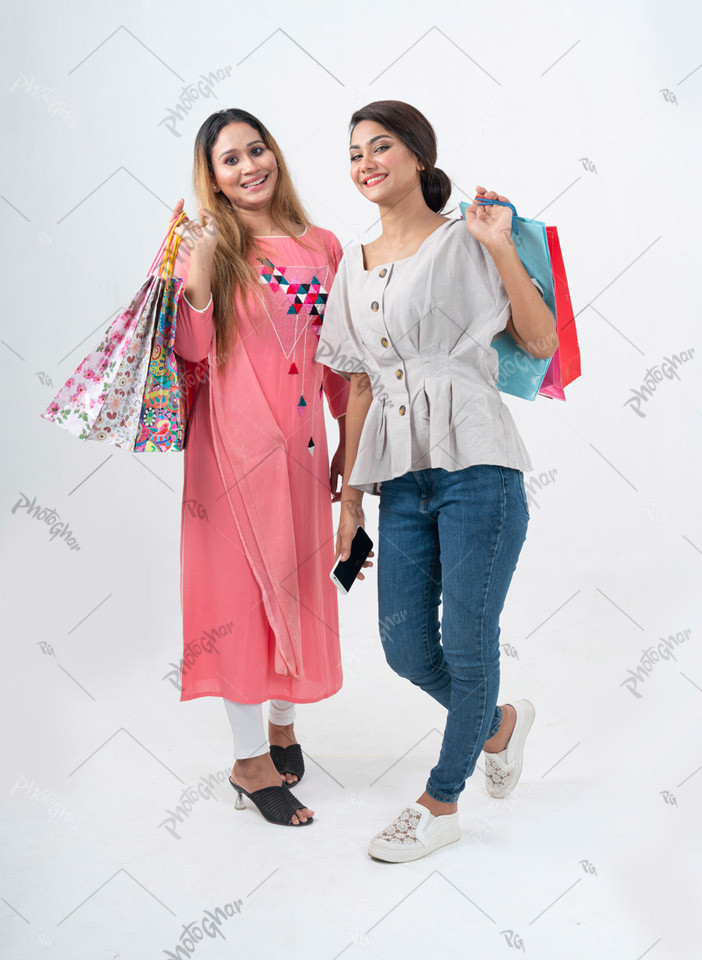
x: 162, y: 416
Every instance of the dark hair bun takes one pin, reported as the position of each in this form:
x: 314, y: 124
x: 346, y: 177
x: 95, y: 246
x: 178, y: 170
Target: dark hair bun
x: 436, y: 189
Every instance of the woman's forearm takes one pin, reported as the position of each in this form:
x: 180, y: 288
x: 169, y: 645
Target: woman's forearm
x: 197, y: 288
x: 532, y: 319
x: 360, y: 399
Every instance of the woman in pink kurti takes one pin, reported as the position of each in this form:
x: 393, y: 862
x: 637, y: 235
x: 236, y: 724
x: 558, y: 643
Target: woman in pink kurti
x: 260, y: 614
x: 219, y: 589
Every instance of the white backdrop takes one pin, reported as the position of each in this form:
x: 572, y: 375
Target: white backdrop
x: 585, y: 116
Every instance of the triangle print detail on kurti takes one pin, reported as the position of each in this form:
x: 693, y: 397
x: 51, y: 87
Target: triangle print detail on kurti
x: 305, y: 291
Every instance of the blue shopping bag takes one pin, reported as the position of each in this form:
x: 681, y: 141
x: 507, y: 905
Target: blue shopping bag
x: 520, y: 374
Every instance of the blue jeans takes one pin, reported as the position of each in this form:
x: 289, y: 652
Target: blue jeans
x: 452, y: 537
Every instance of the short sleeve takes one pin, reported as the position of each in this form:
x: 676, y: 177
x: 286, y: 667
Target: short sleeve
x: 339, y: 347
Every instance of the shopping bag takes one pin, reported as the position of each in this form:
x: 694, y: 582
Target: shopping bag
x: 566, y: 359
x: 521, y: 374
x: 161, y: 424
x: 552, y: 385
x: 118, y: 420
x: 126, y: 391
x: 77, y: 404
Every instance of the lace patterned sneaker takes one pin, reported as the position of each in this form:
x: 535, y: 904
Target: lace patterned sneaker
x: 502, y: 770
x: 414, y: 834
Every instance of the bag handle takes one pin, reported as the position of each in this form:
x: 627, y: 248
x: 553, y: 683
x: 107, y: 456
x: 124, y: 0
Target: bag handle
x: 168, y: 262
x: 168, y: 250
x: 503, y: 203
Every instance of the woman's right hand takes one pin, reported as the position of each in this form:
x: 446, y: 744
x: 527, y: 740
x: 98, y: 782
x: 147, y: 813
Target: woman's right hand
x: 200, y: 237
x: 351, y: 519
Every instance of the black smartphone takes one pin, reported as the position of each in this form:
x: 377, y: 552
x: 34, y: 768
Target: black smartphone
x: 345, y: 571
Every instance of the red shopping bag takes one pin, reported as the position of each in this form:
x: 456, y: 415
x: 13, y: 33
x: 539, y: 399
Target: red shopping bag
x: 565, y: 363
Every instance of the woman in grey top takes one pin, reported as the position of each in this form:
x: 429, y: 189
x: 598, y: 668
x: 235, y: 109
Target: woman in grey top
x: 409, y: 321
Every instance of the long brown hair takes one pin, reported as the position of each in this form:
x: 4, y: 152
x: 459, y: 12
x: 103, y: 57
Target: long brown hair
x: 411, y: 127
x: 231, y: 271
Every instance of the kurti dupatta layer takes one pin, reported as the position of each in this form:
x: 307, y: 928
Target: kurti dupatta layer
x: 251, y: 452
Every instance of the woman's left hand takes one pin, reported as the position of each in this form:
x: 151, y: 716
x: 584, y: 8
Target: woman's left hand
x: 489, y: 222
x: 337, y: 472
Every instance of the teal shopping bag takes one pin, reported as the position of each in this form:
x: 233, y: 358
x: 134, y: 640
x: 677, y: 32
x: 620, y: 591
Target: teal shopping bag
x: 520, y: 374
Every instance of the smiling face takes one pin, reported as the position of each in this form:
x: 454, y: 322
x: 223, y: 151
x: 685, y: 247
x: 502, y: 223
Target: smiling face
x: 382, y: 167
x: 245, y: 169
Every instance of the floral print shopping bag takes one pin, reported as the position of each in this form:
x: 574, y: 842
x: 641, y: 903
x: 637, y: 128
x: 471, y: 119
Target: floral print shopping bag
x: 127, y: 392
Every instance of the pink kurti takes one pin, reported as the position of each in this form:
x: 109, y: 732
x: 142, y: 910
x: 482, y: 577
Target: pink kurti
x: 260, y: 614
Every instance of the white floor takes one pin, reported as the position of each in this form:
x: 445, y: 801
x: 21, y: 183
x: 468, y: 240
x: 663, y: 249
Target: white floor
x: 589, y: 857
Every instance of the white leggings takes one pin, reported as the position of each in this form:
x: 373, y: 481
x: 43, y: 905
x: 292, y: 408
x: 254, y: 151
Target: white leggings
x: 250, y: 738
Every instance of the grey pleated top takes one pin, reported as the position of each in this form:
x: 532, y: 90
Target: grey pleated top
x: 421, y: 328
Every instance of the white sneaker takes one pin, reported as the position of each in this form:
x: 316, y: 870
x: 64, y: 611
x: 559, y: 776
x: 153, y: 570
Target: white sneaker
x: 414, y: 834
x: 502, y: 770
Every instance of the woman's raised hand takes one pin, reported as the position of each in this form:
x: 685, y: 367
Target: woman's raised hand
x: 489, y: 222
x: 200, y: 237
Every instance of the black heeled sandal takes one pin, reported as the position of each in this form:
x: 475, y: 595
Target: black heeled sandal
x: 288, y: 760
x: 275, y: 804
